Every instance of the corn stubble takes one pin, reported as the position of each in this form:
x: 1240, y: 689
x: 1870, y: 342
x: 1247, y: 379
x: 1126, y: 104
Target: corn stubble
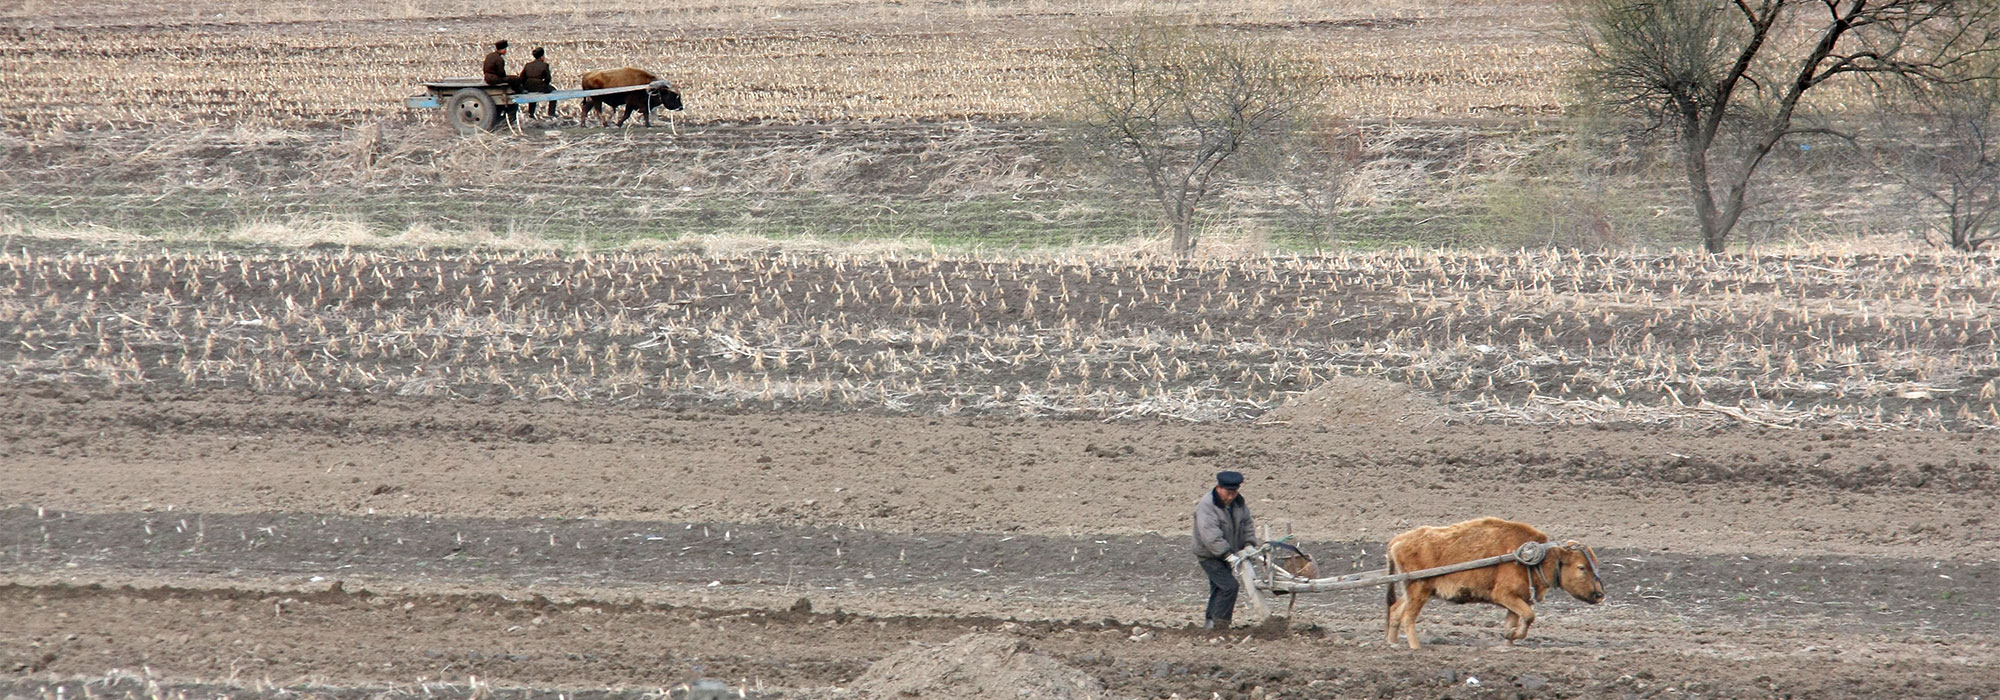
x: 247, y: 65
x: 1870, y: 341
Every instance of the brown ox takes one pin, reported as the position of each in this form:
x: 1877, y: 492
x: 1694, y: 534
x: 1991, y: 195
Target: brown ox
x: 640, y: 101
x: 1511, y: 585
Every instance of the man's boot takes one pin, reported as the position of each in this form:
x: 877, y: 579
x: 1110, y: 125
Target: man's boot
x: 1208, y: 624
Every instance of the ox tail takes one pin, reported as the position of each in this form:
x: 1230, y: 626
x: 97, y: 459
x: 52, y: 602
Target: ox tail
x: 1392, y: 587
x: 1389, y: 610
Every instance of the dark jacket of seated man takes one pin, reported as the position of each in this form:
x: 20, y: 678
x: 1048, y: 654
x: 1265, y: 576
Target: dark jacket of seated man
x: 495, y: 68
x: 536, y: 77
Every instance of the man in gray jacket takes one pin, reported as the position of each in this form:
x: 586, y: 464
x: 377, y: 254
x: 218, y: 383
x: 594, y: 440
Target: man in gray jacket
x: 1222, y: 526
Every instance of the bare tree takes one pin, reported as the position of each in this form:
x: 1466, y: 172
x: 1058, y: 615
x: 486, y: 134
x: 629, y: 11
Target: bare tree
x: 1317, y: 168
x: 1943, y: 144
x: 1729, y: 78
x: 1184, y: 106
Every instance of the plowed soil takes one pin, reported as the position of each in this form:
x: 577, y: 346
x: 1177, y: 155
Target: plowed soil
x: 250, y: 545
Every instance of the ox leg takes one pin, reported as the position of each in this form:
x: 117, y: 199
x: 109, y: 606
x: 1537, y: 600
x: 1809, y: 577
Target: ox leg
x: 1519, y: 615
x: 1411, y: 607
x: 1391, y: 621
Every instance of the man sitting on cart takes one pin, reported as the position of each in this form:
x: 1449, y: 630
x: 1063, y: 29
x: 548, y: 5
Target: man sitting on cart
x: 1222, y: 526
x: 536, y: 77
x: 495, y: 67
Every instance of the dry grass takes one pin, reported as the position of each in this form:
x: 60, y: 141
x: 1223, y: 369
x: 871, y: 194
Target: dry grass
x: 120, y: 65
x: 1870, y: 340
x: 919, y: 119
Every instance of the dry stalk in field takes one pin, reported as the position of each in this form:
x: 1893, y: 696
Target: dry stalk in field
x: 1779, y: 341
x: 743, y: 66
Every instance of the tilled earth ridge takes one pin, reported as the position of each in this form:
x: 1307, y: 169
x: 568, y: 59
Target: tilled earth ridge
x: 199, y: 538
x: 1142, y: 577
x: 382, y: 622
x: 1849, y: 492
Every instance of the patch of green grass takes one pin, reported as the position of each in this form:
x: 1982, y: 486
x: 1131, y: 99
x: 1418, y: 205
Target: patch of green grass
x: 602, y: 220
x: 1499, y: 212
x: 1400, y: 224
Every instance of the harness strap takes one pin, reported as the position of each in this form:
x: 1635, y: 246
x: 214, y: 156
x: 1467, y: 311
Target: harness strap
x: 1533, y: 555
x: 1556, y: 583
x: 1294, y: 550
x: 1590, y: 560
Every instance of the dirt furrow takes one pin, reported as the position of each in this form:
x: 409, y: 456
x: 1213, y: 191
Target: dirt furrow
x: 350, y: 638
x: 1680, y: 492
x: 1143, y: 577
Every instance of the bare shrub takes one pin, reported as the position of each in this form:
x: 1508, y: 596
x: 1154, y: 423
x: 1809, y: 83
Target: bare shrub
x: 1184, y: 108
x: 1729, y: 81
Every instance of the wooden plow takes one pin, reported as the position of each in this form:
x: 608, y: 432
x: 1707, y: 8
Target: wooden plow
x: 1260, y: 570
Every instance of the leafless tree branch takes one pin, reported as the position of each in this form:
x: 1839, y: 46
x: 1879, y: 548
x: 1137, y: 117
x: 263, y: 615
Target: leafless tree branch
x: 1731, y: 76
x: 1184, y: 107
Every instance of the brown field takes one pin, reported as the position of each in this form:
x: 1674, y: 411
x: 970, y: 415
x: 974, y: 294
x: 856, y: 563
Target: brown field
x: 303, y: 397
x: 248, y: 64
x: 536, y: 475
x: 1868, y: 341
x: 933, y: 120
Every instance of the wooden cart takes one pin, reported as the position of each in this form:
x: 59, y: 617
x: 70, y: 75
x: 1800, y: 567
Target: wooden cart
x: 471, y: 105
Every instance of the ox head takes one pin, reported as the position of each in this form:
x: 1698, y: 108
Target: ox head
x: 1576, y: 572
x: 662, y: 94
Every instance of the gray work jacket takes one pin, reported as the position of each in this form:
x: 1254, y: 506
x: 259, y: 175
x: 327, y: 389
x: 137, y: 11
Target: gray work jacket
x: 1219, y: 531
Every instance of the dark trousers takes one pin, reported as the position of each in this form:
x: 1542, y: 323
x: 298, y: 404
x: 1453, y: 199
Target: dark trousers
x: 1221, y: 589
x: 549, y: 107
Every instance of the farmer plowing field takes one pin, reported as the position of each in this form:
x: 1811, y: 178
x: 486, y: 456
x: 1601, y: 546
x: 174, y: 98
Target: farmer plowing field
x: 1222, y: 524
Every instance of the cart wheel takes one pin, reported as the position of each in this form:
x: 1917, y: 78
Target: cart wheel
x: 473, y: 109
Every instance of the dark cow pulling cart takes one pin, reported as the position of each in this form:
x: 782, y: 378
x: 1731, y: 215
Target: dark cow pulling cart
x: 471, y: 105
